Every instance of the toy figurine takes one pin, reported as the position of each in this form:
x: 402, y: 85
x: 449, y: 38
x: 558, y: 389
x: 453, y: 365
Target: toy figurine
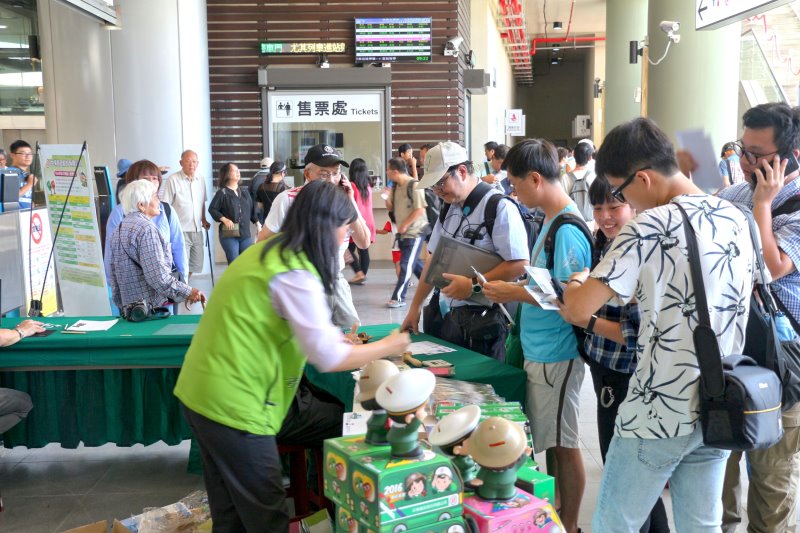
x: 450, y: 432
x: 375, y: 373
x: 499, y: 447
x: 404, y: 396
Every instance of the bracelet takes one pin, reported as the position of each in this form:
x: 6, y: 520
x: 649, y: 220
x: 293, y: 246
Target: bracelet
x: 590, y: 326
x: 21, y: 334
x: 579, y: 282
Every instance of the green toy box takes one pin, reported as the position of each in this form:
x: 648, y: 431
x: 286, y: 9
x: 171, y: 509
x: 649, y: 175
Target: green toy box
x: 338, y: 455
x: 408, y: 494
x: 530, y: 479
x: 509, y: 410
x: 345, y: 523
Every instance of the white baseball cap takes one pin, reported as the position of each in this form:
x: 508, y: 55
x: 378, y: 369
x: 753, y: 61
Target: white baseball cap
x: 497, y: 443
x: 375, y: 373
x: 406, y: 392
x: 439, y: 159
x: 455, y: 426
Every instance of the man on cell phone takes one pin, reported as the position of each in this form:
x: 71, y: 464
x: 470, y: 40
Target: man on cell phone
x: 770, y: 146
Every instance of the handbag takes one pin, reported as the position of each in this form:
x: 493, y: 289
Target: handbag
x: 234, y: 232
x: 514, y: 354
x: 740, y: 401
x: 432, y: 318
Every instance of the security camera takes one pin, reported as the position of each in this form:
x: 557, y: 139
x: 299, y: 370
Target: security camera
x: 669, y: 26
x: 455, y: 42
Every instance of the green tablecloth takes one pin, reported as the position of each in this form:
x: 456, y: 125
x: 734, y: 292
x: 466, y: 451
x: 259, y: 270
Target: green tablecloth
x: 129, y: 405
x: 507, y: 381
x: 126, y: 406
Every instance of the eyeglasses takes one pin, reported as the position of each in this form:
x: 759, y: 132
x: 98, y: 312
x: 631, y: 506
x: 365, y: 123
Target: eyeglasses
x: 440, y: 184
x: 325, y: 175
x: 617, y: 193
x: 753, y: 157
x: 24, y: 154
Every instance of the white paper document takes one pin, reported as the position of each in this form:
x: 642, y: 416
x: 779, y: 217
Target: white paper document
x: 542, y: 290
x: 698, y: 144
x: 428, y: 348
x: 92, y: 325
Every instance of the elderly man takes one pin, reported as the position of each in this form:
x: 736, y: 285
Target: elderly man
x: 451, y: 175
x: 323, y: 162
x: 185, y: 191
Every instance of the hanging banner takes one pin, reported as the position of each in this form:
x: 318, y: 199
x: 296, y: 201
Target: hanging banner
x: 713, y: 14
x: 36, y: 243
x: 78, y: 253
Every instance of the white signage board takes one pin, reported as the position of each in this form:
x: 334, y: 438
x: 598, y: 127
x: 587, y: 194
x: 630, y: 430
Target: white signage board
x: 320, y: 107
x: 78, y: 251
x: 713, y: 14
x: 36, y: 244
x: 515, y: 123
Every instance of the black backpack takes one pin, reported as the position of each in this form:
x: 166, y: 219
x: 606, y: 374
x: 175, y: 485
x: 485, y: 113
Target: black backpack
x: 432, y: 208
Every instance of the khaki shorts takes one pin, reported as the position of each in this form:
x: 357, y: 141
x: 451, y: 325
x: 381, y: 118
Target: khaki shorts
x: 553, y: 400
x: 193, y: 241
x: 343, y: 311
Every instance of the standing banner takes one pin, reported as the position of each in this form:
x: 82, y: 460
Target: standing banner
x: 36, y: 243
x: 78, y: 257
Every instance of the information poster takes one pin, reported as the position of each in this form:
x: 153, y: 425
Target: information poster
x: 78, y: 252
x: 36, y: 243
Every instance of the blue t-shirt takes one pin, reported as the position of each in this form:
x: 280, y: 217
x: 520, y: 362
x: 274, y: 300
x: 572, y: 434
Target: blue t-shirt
x: 545, y: 336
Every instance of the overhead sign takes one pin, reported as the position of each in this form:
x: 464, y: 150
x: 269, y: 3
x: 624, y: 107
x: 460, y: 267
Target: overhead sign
x: 325, y: 107
x: 515, y: 123
x: 713, y: 14
x: 275, y: 48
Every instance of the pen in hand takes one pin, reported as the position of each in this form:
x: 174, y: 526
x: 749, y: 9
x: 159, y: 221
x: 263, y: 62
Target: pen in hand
x: 503, y: 309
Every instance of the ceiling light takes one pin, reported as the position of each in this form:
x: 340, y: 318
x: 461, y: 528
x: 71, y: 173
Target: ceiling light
x: 555, y: 60
x: 3, y: 27
x: 558, y: 26
x: 556, y: 49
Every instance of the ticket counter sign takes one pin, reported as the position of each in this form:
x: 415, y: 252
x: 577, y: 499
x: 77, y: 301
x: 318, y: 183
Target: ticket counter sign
x: 314, y: 107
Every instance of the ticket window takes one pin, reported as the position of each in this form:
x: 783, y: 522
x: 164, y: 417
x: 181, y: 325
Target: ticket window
x: 350, y: 121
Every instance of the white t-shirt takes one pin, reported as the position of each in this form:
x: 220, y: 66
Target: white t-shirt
x: 648, y: 261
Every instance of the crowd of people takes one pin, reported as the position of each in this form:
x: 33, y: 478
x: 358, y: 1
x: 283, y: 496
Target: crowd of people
x: 607, y: 226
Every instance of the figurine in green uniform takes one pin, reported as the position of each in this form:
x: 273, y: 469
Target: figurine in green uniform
x: 375, y: 373
x: 500, y: 448
x: 404, y: 396
x: 450, y: 432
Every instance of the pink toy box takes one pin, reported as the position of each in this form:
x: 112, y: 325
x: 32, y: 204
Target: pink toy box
x: 524, y: 513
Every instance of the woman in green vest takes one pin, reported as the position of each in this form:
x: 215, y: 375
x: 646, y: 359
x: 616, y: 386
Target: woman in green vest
x: 267, y: 317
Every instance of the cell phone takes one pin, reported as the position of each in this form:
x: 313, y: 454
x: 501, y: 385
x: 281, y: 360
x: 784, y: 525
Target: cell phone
x: 792, y: 164
x: 559, y: 288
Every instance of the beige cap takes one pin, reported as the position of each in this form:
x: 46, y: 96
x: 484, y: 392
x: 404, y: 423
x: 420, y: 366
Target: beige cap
x: 439, y: 159
x: 375, y: 373
x: 497, y: 443
x: 406, y: 392
x: 266, y: 162
x: 455, y: 426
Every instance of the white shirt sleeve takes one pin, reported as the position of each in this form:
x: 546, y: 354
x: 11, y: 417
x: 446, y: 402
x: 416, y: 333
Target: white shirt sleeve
x: 277, y: 213
x: 299, y: 298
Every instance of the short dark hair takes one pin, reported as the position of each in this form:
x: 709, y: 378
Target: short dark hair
x: 782, y: 118
x: 16, y: 145
x: 582, y: 153
x: 501, y: 152
x: 600, y: 192
x: 562, y: 152
x: 405, y: 147
x: 633, y: 145
x: 533, y: 155
x: 224, y: 175
x: 491, y: 145
x: 427, y: 146
x: 398, y: 164
x: 310, y: 228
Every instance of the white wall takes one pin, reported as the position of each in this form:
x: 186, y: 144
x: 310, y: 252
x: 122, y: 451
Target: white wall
x: 596, y: 68
x: 488, y: 111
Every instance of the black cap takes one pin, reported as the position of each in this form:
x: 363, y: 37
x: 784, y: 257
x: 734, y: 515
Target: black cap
x: 324, y: 155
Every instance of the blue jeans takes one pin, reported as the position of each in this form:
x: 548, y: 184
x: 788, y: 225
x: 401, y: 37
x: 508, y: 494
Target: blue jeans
x: 234, y: 246
x: 637, y: 470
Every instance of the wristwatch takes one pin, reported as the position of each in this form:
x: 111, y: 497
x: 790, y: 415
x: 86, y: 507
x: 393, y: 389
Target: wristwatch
x: 476, y: 287
x: 590, y: 326
x: 19, y: 331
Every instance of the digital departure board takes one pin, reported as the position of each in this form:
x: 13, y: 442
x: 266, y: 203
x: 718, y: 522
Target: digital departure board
x: 385, y: 40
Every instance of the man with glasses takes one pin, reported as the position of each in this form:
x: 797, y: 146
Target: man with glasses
x: 770, y: 146
x: 21, y: 161
x: 451, y: 175
x: 322, y: 162
x: 658, y: 437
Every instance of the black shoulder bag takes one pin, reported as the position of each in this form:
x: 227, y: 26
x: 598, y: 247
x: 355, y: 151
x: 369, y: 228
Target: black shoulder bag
x: 740, y: 402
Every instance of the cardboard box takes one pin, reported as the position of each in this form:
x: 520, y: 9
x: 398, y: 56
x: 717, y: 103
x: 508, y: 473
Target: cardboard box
x: 100, y: 527
x: 409, y: 493
x: 524, y: 512
x: 338, y: 455
x: 531, y: 480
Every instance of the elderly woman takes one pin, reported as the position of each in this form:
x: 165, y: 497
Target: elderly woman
x: 167, y: 221
x: 140, y: 257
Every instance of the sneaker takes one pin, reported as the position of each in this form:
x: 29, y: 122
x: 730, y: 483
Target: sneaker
x: 393, y: 304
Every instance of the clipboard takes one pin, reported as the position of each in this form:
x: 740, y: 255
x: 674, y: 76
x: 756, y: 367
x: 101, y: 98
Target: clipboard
x: 456, y: 257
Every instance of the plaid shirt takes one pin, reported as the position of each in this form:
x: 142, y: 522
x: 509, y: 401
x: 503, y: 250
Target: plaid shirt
x: 618, y: 357
x: 787, y: 233
x: 141, y: 263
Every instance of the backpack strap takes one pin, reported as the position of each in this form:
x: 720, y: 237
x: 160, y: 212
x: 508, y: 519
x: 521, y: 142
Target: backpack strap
x: 552, y: 231
x: 167, y: 210
x: 789, y: 206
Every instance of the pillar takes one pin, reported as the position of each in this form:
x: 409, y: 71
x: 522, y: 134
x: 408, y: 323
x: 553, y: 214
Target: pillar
x: 626, y: 20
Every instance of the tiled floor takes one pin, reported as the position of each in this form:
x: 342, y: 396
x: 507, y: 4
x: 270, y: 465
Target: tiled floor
x: 52, y: 489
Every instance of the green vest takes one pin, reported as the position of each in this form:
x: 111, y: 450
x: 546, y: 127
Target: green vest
x: 244, y: 364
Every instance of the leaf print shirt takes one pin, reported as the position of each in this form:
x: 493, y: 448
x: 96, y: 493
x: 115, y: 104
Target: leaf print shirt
x: 648, y: 261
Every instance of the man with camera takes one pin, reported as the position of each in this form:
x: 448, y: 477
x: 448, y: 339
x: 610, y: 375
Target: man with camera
x: 451, y: 175
x: 658, y: 436
x: 770, y: 146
